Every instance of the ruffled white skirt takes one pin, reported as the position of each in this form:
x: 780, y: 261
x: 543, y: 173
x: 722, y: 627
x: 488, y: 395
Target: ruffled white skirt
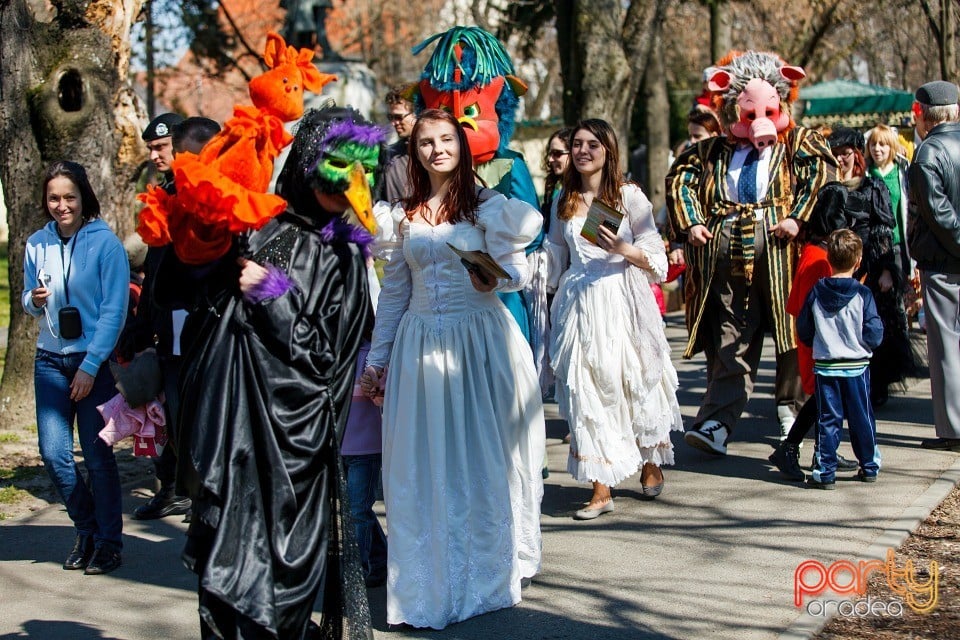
x: 616, y: 385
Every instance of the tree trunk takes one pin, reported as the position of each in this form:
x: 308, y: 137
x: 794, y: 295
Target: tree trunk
x: 721, y: 29
x: 604, y: 44
x: 63, y: 95
x: 948, y: 51
x: 570, y: 60
x: 658, y: 122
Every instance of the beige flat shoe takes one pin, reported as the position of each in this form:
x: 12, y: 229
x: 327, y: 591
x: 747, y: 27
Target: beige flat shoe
x: 589, y: 514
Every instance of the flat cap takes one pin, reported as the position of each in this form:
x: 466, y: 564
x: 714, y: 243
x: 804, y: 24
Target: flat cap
x: 161, y: 126
x: 936, y: 93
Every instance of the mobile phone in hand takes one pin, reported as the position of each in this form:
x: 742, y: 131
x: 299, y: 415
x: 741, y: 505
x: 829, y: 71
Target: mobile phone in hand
x: 43, y: 278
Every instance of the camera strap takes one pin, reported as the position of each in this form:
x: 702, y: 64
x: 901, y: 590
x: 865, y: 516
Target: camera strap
x: 63, y: 261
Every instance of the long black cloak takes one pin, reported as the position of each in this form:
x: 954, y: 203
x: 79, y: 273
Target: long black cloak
x: 265, y: 394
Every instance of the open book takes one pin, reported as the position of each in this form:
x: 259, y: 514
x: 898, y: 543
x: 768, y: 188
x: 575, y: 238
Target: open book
x: 600, y: 214
x: 482, y: 263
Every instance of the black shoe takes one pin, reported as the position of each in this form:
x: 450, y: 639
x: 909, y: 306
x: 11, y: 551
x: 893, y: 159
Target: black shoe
x: 786, y: 458
x: 164, y: 503
x: 81, y: 554
x: 879, y: 397
x: 941, y: 444
x: 862, y: 476
x: 843, y: 464
x: 105, y: 559
x: 816, y: 484
x: 846, y: 465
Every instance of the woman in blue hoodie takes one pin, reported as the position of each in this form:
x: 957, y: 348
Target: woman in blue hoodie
x: 75, y: 276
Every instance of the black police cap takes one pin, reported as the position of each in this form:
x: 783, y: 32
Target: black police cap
x: 161, y: 126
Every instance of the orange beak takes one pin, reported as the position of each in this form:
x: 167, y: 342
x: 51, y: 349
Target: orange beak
x: 358, y: 195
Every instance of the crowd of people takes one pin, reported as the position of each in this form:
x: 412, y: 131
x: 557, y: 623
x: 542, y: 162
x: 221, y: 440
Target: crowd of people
x: 296, y: 382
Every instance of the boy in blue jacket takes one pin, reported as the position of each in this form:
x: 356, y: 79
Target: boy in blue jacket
x: 839, y: 321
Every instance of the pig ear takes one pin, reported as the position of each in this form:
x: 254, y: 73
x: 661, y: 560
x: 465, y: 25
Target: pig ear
x: 792, y: 73
x: 719, y: 81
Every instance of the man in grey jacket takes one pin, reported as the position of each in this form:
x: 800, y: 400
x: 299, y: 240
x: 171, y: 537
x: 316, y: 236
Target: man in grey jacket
x: 933, y: 229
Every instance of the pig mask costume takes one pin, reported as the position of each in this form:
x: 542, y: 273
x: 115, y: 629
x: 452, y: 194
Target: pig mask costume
x: 753, y: 94
x: 738, y: 201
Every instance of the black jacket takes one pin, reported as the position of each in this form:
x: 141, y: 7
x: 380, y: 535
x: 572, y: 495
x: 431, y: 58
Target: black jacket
x: 933, y: 224
x: 265, y: 393
x: 153, y: 324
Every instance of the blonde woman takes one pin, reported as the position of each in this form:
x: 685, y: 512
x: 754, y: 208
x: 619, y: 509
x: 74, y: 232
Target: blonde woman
x: 894, y: 359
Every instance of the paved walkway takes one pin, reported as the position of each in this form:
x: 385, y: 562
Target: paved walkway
x: 713, y: 557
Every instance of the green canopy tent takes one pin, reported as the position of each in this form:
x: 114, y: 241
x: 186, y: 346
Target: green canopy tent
x: 853, y: 104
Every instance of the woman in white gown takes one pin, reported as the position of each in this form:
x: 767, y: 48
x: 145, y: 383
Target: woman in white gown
x: 616, y: 385
x: 463, y: 427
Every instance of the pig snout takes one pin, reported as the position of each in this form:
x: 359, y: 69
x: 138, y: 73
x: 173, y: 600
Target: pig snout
x: 762, y: 133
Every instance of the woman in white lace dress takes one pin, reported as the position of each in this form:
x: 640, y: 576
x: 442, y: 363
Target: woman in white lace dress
x: 616, y: 386
x: 463, y: 428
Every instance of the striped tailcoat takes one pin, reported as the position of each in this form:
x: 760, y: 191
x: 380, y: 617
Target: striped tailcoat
x: 697, y: 193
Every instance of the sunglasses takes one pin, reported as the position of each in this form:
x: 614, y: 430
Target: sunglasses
x: 557, y: 154
x: 397, y: 117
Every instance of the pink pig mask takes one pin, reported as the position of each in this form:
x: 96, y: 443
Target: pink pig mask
x: 758, y: 107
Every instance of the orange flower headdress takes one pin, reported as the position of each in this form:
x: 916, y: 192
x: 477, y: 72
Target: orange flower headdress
x: 222, y: 191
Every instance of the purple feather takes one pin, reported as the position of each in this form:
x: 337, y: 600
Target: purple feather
x: 366, y: 134
x: 340, y: 230
x: 274, y: 284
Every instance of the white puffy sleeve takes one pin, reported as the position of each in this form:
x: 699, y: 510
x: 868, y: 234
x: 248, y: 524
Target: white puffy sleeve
x: 395, y: 295
x: 644, y: 231
x: 509, y: 225
x: 558, y: 253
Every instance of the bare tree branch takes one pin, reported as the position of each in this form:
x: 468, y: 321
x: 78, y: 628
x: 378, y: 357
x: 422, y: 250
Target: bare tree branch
x: 931, y: 19
x: 246, y: 45
x: 823, y: 27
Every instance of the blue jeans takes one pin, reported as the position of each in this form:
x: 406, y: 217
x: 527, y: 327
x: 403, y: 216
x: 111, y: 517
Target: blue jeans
x: 94, y: 509
x: 363, y: 479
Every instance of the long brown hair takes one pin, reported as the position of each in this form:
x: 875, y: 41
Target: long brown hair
x: 611, y: 179
x: 461, y: 201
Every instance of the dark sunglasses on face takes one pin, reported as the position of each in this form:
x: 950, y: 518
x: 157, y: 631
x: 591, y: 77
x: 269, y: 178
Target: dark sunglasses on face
x: 397, y: 117
x: 557, y: 154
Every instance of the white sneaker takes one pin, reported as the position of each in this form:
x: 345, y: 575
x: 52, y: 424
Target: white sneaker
x: 786, y: 418
x: 711, y: 437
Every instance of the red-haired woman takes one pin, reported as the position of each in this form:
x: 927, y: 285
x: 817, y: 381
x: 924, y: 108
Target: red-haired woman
x: 867, y: 205
x: 463, y: 428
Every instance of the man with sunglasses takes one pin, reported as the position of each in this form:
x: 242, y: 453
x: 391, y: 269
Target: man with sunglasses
x: 400, y: 113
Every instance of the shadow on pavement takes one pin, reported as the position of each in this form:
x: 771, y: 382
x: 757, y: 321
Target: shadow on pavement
x: 51, y: 629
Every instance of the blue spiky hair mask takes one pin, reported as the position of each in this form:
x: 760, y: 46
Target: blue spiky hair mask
x: 471, y: 76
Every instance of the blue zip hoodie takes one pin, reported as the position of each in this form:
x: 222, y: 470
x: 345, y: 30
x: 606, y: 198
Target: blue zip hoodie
x: 839, y: 321
x: 98, y: 287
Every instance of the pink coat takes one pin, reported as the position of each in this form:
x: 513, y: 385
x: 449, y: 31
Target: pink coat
x: 122, y: 421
